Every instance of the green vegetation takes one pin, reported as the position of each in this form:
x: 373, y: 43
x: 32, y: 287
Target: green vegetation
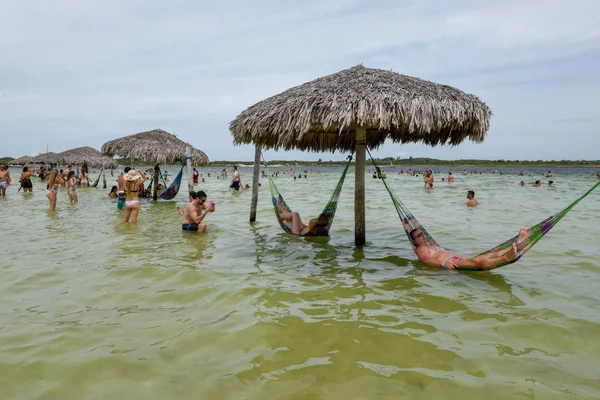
x: 5, y: 160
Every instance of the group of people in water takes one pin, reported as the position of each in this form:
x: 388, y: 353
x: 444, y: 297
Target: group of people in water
x: 130, y: 187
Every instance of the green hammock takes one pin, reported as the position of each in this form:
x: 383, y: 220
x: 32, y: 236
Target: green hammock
x: 170, y: 192
x: 536, y: 232
x: 325, y: 219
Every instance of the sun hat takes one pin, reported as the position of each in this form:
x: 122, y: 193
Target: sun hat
x: 132, y: 175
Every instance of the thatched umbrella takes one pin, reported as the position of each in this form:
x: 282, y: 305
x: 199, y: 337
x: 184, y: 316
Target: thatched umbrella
x: 87, y: 155
x: 21, y: 160
x: 360, y: 107
x: 157, y: 146
x: 47, y: 158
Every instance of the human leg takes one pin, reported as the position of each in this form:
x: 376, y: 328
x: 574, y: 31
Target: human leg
x: 127, y: 214
x: 135, y: 210
x: 52, y: 198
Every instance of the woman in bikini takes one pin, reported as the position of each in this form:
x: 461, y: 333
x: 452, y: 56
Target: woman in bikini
x: 113, y: 193
x: 84, y: 176
x: 428, y: 180
x: 298, y: 227
x: 133, y: 180
x: 53, y: 182
x: 26, y: 180
x: 71, y: 184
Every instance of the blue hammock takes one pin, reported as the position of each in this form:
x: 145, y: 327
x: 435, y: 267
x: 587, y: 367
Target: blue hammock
x: 170, y: 192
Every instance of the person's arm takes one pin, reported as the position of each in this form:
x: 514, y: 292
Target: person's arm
x: 210, y: 207
x: 197, y: 218
x: 143, y: 177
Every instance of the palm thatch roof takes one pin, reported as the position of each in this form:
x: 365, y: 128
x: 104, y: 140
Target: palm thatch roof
x: 322, y: 115
x: 156, y: 145
x: 88, y: 155
x: 46, y: 158
x: 22, y: 160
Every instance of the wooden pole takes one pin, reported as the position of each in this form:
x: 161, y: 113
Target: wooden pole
x: 254, y: 202
x: 103, y: 178
x: 359, y: 187
x: 188, y: 152
x: 154, y: 191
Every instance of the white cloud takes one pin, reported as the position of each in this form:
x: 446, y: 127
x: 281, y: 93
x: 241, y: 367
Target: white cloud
x: 113, y: 68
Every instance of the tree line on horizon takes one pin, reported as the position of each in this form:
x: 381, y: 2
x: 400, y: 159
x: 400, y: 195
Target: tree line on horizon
x: 386, y: 161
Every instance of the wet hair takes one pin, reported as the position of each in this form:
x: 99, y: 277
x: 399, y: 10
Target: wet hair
x: 127, y: 169
x: 472, y: 193
x: 550, y: 182
x: 235, y: 167
x: 61, y: 171
x: 201, y: 194
x: 113, y: 189
x: 70, y: 174
x: 25, y: 169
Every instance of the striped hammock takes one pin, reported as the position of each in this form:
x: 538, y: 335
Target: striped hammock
x: 536, y: 232
x: 170, y: 192
x: 325, y: 219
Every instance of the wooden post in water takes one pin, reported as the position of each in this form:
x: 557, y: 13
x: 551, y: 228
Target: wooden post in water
x: 188, y: 152
x: 255, y: 176
x: 103, y: 178
x: 154, y: 191
x: 359, y: 187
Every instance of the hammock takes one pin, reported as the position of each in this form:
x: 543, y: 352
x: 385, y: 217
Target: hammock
x: 325, y: 219
x: 95, y: 184
x: 173, y: 189
x: 536, y: 232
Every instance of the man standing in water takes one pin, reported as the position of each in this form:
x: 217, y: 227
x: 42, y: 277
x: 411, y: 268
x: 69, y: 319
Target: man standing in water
x: 236, y: 182
x: 121, y: 189
x: 4, y: 179
x: 439, y: 257
x: 471, y: 196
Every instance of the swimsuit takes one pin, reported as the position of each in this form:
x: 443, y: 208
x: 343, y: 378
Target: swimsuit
x: 26, y: 183
x: 452, y: 259
x: 235, y: 185
x: 53, y: 189
x: 3, y: 184
x: 189, y: 227
x: 121, y: 202
x: 131, y: 203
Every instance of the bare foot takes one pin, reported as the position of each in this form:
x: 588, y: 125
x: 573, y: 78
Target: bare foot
x: 512, y: 253
x: 523, y: 235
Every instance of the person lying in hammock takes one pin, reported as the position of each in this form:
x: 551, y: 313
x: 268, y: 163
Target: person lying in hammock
x: 439, y: 257
x: 298, y: 227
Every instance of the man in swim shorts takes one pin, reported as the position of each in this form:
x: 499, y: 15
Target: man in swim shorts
x: 4, y: 179
x: 236, y: 182
x: 438, y: 257
x: 195, y: 212
x: 121, y: 189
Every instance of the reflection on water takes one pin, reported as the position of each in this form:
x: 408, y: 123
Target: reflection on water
x: 91, y: 307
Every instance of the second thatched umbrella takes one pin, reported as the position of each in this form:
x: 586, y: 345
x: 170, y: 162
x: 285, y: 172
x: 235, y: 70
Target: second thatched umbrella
x: 47, y: 158
x: 357, y: 108
x: 21, y: 160
x: 87, y: 155
x: 157, y: 146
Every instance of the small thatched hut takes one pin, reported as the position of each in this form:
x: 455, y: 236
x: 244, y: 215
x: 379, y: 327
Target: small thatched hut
x: 47, y: 158
x: 359, y: 107
x: 22, y: 160
x: 158, y: 146
x: 87, y: 155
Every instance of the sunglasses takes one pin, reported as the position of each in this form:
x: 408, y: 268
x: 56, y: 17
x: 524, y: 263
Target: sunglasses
x: 202, y: 201
x: 419, y: 235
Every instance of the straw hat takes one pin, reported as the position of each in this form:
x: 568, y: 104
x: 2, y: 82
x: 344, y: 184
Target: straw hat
x: 132, y: 175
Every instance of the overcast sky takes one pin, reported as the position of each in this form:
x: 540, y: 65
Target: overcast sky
x: 80, y: 72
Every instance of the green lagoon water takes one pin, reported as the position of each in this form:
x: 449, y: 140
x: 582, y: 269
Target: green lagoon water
x: 91, y: 308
